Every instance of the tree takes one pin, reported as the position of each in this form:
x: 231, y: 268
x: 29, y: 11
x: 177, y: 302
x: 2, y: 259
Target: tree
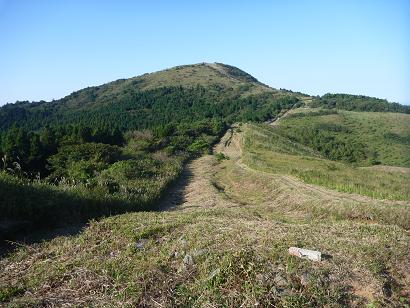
x: 48, y: 140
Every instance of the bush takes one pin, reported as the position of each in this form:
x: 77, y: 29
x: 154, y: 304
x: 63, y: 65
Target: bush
x: 81, y: 161
x: 221, y: 156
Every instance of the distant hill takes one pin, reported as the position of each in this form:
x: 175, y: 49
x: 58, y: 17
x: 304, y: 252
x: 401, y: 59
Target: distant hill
x: 129, y: 103
x: 358, y: 103
x: 116, y: 147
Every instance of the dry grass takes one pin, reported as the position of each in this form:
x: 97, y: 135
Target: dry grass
x: 204, y: 74
x: 236, y: 225
x: 392, y: 169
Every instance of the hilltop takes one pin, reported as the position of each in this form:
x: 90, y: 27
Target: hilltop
x: 219, y: 81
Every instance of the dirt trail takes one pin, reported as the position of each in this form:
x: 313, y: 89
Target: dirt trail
x: 197, y: 187
x: 275, y: 121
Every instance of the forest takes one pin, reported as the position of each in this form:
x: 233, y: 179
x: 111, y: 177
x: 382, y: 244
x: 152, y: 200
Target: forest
x: 63, y: 164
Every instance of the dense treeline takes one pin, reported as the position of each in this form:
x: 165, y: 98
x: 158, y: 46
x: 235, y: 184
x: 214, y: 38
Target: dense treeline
x: 123, y: 148
x: 358, y: 103
x: 31, y: 149
x: 176, y: 114
x: 134, y: 109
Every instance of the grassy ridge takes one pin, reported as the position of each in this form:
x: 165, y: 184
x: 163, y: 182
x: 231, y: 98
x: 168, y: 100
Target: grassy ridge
x: 263, y: 154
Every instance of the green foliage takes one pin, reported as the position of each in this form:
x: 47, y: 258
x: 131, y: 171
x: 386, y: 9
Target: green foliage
x: 136, y: 109
x: 198, y: 147
x: 32, y: 149
x: 176, y: 116
x: 221, y: 156
x: 9, y: 292
x: 322, y: 139
x: 79, y: 162
x: 130, y: 185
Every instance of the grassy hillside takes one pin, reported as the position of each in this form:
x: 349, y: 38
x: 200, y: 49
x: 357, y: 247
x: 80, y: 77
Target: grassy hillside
x: 225, y: 244
x: 277, y: 150
x: 205, y: 74
x: 383, y: 138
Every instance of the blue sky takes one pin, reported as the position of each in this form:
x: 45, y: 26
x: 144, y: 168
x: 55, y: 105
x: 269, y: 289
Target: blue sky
x: 49, y: 49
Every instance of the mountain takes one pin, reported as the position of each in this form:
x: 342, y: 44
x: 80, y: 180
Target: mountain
x: 216, y: 83
x: 102, y: 141
x: 186, y: 187
x: 219, y: 90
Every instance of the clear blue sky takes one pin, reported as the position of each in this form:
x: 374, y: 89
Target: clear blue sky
x: 49, y: 49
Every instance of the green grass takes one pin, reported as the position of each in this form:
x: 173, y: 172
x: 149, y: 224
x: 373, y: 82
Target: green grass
x: 118, y: 189
x: 262, y: 188
x: 267, y: 150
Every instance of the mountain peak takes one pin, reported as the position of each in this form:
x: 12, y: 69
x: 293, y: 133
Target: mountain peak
x: 203, y: 74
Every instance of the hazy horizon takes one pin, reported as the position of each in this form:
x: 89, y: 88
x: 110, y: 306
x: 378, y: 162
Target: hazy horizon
x: 54, y: 48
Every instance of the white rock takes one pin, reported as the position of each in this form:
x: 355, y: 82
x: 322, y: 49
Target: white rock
x: 188, y: 261
x: 305, y: 253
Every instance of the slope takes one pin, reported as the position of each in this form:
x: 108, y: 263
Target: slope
x: 269, y: 150
x: 383, y: 137
x: 224, y: 241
